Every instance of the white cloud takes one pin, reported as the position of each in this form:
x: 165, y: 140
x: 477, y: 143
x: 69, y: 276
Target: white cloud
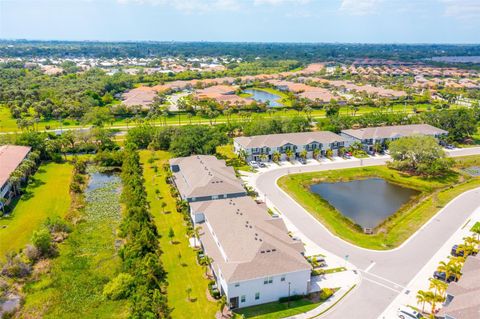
x: 462, y: 9
x: 279, y: 2
x: 359, y: 7
x: 191, y: 6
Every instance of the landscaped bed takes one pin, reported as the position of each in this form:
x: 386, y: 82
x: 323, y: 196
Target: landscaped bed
x: 433, y: 195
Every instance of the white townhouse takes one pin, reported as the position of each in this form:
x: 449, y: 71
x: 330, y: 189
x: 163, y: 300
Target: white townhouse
x: 369, y: 136
x: 11, y: 156
x: 259, y: 146
x: 254, y: 260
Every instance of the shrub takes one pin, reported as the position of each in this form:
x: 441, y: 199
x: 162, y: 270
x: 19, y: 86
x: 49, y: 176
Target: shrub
x: 326, y: 293
x: 292, y: 298
x: 119, y: 287
x: 42, y: 240
x: 57, y: 225
x: 16, y: 267
x: 75, y: 187
x: 32, y: 253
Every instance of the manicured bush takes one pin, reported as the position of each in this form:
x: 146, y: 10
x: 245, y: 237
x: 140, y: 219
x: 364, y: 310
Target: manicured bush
x: 326, y: 293
x: 291, y: 298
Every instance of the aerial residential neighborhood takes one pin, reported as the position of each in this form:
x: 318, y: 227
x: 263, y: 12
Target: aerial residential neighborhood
x: 239, y: 159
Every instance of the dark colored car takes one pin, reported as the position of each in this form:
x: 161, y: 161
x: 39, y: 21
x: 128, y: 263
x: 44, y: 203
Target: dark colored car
x: 455, y: 252
x: 440, y: 275
x: 302, y: 160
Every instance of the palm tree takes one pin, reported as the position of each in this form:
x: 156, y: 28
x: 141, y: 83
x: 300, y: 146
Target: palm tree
x: 15, y: 179
x: 476, y: 230
x: 208, y: 263
x: 444, y: 267
x: 2, y: 203
x: 276, y: 157
x: 289, y: 154
x: 188, y: 291
x: 439, y: 287
x: 422, y: 298
x: 303, y: 154
x: 195, y: 233
x: 263, y: 157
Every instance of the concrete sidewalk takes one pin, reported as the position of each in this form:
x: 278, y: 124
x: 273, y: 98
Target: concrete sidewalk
x: 421, y: 280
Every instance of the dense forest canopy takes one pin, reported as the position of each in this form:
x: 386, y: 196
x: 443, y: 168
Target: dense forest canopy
x: 305, y: 52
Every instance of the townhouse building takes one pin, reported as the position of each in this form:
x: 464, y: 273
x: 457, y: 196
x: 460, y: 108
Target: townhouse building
x: 253, y: 259
x: 263, y: 147
x: 370, y: 136
x: 11, y: 156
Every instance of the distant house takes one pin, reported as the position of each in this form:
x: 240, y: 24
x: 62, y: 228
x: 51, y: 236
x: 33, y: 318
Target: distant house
x: 462, y: 300
x: 369, y: 136
x: 256, y: 147
x: 11, y: 156
x: 253, y: 259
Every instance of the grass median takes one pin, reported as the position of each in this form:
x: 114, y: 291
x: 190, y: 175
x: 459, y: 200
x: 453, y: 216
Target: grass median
x: 434, y: 195
x: 178, y: 258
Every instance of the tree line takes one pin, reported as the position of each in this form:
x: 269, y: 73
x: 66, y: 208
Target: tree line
x: 143, y: 278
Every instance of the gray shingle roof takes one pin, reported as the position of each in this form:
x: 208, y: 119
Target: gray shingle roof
x: 394, y: 131
x: 205, y: 175
x: 245, y: 242
x: 276, y: 140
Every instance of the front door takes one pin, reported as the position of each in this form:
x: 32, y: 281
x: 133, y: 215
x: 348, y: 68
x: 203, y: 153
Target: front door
x: 234, y: 303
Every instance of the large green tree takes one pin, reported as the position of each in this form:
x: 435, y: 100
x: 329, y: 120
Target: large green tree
x: 420, y: 155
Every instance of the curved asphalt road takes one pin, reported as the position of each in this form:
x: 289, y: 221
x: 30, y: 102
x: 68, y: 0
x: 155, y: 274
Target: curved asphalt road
x: 393, y: 269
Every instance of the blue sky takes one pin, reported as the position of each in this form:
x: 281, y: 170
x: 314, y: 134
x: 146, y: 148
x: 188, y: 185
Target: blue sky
x: 373, y: 21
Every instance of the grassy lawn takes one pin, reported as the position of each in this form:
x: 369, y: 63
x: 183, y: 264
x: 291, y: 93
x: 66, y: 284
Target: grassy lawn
x: 226, y: 152
x: 46, y: 195
x: 179, y: 259
x: 434, y: 194
x: 277, y: 310
x: 87, y: 261
x: 8, y: 124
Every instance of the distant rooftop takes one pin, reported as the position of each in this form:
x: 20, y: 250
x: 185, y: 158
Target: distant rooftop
x: 10, y: 158
x: 276, y: 140
x: 394, y: 131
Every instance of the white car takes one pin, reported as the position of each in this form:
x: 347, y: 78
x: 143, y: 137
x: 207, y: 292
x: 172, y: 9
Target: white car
x: 254, y: 164
x: 408, y: 313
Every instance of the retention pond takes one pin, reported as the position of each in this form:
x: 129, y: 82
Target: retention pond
x: 366, y: 202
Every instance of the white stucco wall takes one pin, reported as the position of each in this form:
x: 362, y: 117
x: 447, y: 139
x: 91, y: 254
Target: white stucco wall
x: 269, y: 292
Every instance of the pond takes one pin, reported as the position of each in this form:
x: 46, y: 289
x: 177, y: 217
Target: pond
x: 263, y: 96
x: 366, y: 202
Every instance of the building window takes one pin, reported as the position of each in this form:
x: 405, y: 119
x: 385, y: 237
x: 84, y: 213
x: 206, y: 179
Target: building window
x: 282, y: 278
x: 257, y: 295
x: 265, y: 281
x: 268, y: 280
x: 237, y: 285
x: 242, y: 298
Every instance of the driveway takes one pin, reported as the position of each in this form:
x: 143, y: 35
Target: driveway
x: 385, y: 274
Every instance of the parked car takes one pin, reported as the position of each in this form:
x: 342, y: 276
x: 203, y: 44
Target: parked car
x: 262, y: 164
x: 449, y: 147
x: 455, y: 252
x: 346, y: 156
x: 253, y: 164
x: 440, y: 275
x: 302, y: 160
x: 321, y: 262
x: 407, y: 313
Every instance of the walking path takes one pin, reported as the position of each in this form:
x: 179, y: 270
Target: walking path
x: 384, y: 274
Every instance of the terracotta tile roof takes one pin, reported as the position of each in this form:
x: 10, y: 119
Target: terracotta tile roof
x: 10, y: 158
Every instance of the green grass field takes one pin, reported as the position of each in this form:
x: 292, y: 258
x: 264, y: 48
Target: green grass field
x: 8, y: 124
x: 276, y: 310
x: 87, y: 261
x: 435, y: 194
x: 46, y: 195
x: 179, y: 259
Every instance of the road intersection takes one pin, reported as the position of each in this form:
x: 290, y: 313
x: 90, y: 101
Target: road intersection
x: 385, y: 274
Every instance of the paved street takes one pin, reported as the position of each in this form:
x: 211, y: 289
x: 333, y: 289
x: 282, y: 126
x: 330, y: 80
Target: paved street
x: 385, y: 274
